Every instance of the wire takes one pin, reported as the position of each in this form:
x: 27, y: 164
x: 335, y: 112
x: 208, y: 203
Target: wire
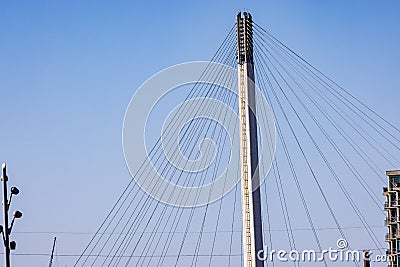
x: 348, y: 197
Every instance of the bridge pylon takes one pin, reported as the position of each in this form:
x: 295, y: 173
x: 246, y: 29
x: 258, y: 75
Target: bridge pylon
x: 250, y: 180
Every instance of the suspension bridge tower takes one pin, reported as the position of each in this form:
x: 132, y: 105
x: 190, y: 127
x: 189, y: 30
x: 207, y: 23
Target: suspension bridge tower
x: 251, y: 204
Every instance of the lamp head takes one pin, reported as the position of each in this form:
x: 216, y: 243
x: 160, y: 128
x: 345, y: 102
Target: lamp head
x: 17, y: 214
x: 14, y: 190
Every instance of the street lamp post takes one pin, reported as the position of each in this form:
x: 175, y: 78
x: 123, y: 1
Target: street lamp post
x: 6, y: 228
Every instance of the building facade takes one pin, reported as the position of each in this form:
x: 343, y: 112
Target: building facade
x: 392, y: 221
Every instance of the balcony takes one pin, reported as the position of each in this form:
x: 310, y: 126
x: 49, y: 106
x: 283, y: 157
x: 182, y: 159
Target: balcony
x: 391, y: 220
x: 389, y: 237
x: 391, y: 252
x: 385, y: 191
x: 390, y: 205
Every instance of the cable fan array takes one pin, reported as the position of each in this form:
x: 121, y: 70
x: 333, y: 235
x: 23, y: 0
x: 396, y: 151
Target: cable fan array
x: 324, y: 183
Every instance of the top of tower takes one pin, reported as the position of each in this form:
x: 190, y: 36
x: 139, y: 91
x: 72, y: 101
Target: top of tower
x: 246, y: 15
x: 244, y: 35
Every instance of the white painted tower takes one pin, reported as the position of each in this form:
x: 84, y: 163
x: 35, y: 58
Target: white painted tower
x: 251, y: 204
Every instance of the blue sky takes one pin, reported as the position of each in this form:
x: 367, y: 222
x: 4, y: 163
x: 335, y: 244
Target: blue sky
x: 69, y: 68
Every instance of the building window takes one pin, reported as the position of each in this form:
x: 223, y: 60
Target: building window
x: 393, y: 180
x: 392, y: 198
x: 394, y: 230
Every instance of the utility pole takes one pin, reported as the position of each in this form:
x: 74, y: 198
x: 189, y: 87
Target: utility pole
x: 52, y: 252
x: 6, y: 228
x: 251, y: 201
